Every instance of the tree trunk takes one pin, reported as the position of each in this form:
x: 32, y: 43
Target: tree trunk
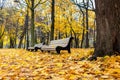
x: 87, y: 39
x: 108, y: 28
x: 83, y: 24
x: 27, y: 24
x: 24, y: 31
x: 94, y: 33
x: 59, y: 35
x: 53, y: 20
x: 76, y: 41
x: 35, y: 37
x: 1, y: 43
x: 32, y: 23
x: 11, y: 42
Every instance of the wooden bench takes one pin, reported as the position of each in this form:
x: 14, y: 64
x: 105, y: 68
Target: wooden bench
x: 36, y: 47
x: 58, y: 45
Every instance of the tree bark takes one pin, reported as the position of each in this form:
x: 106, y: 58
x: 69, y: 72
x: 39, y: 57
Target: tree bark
x: 52, y: 19
x: 108, y: 28
x: 24, y: 31
x: 83, y: 24
x: 27, y: 24
x: 32, y: 23
x: 1, y: 43
x: 87, y: 39
x: 11, y: 42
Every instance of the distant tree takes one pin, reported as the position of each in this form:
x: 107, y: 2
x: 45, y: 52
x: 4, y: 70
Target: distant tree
x: 24, y: 31
x: 52, y: 19
x: 87, y: 25
x: 3, y: 15
x: 84, y: 6
x: 2, y: 22
x: 2, y: 30
x: 32, y: 5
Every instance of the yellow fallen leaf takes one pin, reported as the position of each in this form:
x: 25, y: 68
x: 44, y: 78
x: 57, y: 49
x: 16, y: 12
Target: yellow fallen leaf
x: 62, y: 72
x: 59, y: 64
x: 72, y: 77
x: 22, y: 78
x: 116, y: 75
x: 105, y: 76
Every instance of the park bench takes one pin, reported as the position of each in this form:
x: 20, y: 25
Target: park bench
x: 36, y: 47
x: 58, y: 45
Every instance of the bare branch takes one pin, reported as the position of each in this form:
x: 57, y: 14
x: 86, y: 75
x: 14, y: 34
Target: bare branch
x: 39, y: 3
x: 2, y: 5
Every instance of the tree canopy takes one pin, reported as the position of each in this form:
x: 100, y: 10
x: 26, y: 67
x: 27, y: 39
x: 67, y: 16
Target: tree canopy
x: 68, y: 20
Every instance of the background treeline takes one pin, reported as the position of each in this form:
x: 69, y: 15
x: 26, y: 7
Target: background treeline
x: 24, y: 23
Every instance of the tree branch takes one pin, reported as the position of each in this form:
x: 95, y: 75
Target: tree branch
x: 39, y: 3
x: 28, y: 4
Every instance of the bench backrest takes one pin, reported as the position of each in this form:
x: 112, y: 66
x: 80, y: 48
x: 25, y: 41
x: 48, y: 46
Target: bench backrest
x: 61, y: 42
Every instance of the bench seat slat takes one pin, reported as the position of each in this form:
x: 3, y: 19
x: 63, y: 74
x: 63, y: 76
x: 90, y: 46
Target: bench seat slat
x: 36, y: 47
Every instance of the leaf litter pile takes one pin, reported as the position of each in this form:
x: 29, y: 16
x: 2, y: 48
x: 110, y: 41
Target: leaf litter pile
x: 19, y: 64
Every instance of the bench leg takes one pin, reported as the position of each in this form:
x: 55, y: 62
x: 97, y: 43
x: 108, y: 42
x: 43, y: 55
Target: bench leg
x: 36, y: 49
x: 28, y: 49
x: 41, y: 50
x: 69, y: 51
x: 48, y: 51
x: 32, y: 49
x: 58, y: 49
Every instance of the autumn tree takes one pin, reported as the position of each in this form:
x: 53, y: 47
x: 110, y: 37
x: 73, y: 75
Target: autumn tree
x: 2, y: 28
x: 32, y: 5
x: 108, y: 28
x: 13, y: 27
x: 13, y: 23
x: 85, y: 6
x: 26, y: 21
x: 67, y: 20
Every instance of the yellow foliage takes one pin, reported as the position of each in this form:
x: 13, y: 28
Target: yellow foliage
x: 21, y: 20
x: 2, y: 29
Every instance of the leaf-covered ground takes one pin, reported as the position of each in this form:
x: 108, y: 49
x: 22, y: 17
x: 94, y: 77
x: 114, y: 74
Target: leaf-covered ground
x: 19, y: 64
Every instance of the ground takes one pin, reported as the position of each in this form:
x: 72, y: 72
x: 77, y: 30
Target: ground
x: 19, y: 64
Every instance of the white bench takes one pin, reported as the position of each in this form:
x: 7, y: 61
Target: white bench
x: 36, y: 47
x: 58, y: 45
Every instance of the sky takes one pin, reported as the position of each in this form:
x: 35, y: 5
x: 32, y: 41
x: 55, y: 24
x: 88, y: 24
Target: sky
x: 9, y: 3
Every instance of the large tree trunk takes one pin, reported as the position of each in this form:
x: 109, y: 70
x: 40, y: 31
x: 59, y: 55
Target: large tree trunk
x: 108, y: 28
